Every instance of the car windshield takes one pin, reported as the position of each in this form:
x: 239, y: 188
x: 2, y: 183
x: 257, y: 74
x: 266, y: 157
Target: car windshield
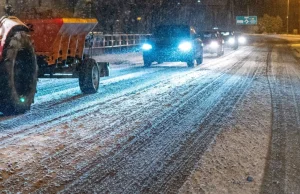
x: 225, y: 33
x: 172, y: 31
x: 208, y: 35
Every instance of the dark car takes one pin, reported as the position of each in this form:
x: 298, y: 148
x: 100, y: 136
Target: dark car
x: 231, y: 39
x: 171, y: 43
x: 213, y: 42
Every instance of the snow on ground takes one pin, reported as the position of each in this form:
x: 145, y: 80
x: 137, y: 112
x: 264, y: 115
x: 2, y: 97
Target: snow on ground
x: 237, y: 160
x: 239, y: 152
x: 145, y: 130
x: 78, y: 130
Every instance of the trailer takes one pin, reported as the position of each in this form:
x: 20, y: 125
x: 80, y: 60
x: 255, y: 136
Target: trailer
x: 40, y: 48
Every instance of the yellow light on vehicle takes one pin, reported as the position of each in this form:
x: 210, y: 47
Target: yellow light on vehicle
x: 139, y: 18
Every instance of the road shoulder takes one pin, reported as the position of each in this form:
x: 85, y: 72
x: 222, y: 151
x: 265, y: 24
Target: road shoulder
x: 236, y: 160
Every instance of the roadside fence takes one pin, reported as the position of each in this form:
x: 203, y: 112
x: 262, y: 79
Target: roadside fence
x: 114, y: 43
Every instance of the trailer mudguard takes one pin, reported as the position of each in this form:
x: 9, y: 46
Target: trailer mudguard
x: 7, y: 27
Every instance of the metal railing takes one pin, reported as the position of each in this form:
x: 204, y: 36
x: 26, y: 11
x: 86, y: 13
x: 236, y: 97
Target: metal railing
x: 110, y: 43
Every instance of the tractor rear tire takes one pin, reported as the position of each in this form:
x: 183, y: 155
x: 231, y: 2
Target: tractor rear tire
x: 89, y: 76
x: 18, y: 74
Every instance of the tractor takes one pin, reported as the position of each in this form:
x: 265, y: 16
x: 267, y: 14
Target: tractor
x: 38, y: 48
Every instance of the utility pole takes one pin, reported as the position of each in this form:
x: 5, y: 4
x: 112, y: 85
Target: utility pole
x: 287, y: 16
x: 299, y: 17
x: 248, y: 9
x: 231, y: 21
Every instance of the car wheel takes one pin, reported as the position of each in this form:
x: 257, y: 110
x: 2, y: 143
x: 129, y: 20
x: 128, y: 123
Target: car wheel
x: 191, y: 63
x: 147, y: 63
x: 235, y: 47
x: 200, y: 60
x: 18, y: 74
x: 220, y: 51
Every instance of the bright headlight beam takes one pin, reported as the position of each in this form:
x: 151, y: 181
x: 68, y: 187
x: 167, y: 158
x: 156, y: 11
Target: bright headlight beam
x: 214, y: 44
x: 185, y: 46
x: 242, y: 40
x: 231, y: 41
x: 147, y: 47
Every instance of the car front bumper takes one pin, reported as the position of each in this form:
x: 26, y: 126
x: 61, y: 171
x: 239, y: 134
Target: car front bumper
x: 210, y: 49
x: 168, y: 55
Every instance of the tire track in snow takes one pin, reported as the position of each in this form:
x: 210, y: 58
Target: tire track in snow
x: 121, y: 167
x: 53, y: 86
x: 46, y: 112
x: 59, y: 121
x: 283, y: 167
x: 94, y: 134
x: 50, y: 114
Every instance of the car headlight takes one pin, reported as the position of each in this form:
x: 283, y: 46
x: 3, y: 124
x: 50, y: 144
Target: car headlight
x: 185, y: 46
x: 242, y: 40
x: 231, y: 40
x: 146, y: 46
x: 214, y: 44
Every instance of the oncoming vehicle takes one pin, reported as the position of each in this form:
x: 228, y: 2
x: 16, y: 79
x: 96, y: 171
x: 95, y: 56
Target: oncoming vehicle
x: 231, y: 39
x: 242, y: 39
x: 171, y: 43
x: 213, y: 42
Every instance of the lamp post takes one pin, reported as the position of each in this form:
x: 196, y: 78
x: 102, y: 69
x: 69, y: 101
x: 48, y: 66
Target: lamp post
x: 287, y: 16
x: 138, y: 19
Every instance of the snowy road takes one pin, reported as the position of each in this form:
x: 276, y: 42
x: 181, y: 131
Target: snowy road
x: 147, y: 128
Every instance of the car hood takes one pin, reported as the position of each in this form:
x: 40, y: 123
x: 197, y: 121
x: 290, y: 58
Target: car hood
x: 208, y: 41
x: 226, y: 38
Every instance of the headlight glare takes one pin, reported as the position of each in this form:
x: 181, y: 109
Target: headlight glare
x: 214, y: 44
x: 242, y: 40
x: 185, y: 46
x: 231, y: 41
x: 146, y: 46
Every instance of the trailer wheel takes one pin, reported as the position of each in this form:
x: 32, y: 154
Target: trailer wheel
x: 18, y: 74
x: 220, y: 51
x: 89, y: 76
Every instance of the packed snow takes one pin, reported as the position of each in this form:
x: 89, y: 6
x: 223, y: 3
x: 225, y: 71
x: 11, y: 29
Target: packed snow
x: 163, y: 129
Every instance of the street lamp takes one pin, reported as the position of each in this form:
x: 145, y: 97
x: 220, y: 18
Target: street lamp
x: 287, y: 16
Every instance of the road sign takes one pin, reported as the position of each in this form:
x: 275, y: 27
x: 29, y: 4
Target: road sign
x: 246, y: 20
